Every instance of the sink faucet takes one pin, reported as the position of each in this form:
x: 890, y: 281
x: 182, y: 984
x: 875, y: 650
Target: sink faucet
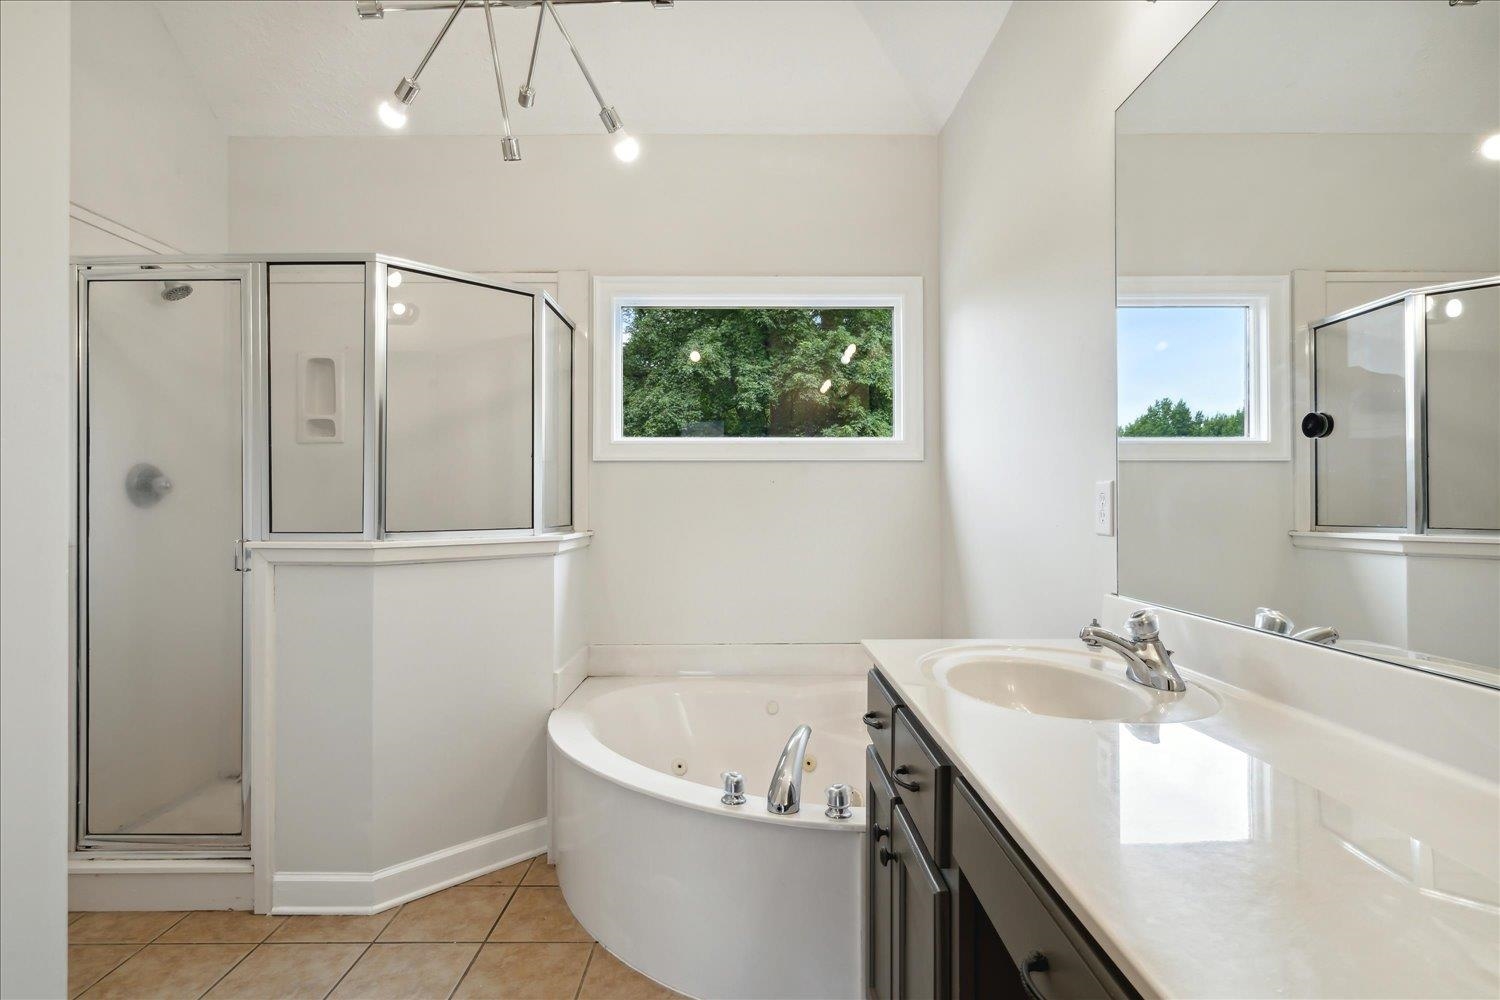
x: 1271, y: 620
x: 1147, y: 660
x: 785, y: 794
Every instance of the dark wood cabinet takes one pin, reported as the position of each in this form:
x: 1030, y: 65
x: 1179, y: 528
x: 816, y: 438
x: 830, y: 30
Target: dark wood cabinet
x: 955, y: 908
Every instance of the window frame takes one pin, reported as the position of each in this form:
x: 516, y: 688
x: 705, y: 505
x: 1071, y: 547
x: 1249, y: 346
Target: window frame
x: 902, y: 294
x: 1268, y: 429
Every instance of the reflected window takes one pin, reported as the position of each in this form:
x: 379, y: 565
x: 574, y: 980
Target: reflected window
x: 1186, y: 788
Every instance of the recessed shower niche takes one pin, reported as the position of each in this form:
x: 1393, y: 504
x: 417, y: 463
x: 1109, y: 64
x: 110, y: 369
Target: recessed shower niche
x: 225, y: 402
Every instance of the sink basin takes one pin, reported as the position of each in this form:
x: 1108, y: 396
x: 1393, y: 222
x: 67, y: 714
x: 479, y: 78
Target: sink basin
x: 1061, y: 682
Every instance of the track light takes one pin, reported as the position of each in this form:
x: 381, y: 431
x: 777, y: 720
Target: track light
x: 526, y: 96
x: 627, y: 148
x: 394, y: 115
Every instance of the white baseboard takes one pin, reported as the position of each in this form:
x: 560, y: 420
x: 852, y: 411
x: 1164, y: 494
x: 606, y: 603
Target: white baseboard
x: 125, y: 884
x: 372, y: 892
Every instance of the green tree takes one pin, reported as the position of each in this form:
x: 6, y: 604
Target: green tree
x: 1165, y: 418
x: 759, y: 373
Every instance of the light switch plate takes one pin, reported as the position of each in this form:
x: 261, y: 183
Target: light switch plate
x: 1104, y: 507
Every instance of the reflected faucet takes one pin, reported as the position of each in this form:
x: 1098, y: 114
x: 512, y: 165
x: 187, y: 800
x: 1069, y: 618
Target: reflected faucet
x: 1271, y: 620
x: 785, y: 794
x: 1147, y: 660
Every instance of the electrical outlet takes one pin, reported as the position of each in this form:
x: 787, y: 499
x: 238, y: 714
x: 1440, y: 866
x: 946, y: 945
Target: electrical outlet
x: 1104, y: 507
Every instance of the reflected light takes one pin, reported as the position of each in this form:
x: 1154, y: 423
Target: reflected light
x: 1490, y: 148
x: 1453, y: 308
x: 391, y: 116
x: 398, y: 309
x: 694, y: 357
x: 393, y: 279
x: 1186, y: 788
x: 827, y: 384
x: 848, y: 355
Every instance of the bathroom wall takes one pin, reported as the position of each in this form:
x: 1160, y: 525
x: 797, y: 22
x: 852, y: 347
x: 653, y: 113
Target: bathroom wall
x: 685, y: 552
x: 148, y: 152
x: 1028, y: 375
x: 34, y: 377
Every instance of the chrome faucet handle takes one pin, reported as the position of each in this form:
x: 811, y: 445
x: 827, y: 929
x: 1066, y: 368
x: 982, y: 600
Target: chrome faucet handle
x: 1143, y: 625
x: 734, y: 788
x: 1271, y: 620
x: 840, y: 796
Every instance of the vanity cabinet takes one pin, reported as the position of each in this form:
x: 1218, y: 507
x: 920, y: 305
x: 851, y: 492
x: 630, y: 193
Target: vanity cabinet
x: 955, y: 908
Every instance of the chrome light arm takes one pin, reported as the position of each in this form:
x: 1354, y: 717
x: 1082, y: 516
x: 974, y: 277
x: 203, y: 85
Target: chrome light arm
x: 509, y: 147
x: 1147, y: 660
x: 607, y: 114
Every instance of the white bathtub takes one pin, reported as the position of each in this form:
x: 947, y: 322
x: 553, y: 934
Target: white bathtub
x: 712, y: 900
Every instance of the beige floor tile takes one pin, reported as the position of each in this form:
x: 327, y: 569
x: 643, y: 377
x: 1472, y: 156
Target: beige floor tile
x: 288, y: 972
x: 221, y: 927
x: 463, y: 913
x: 89, y: 963
x: 540, y: 873
x: 509, y: 875
x: 608, y: 978
x: 407, y: 971
x: 121, y: 926
x: 332, y: 928
x: 525, y: 972
x: 538, y: 913
x: 165, y: 971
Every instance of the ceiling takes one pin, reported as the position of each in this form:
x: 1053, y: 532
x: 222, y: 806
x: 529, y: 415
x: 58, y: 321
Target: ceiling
x: 1328, y: 66
x: 704, y: 66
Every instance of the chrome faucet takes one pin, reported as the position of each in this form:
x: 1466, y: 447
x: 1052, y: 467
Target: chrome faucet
x: 1271, y: 620
x: 1147, y: 660
x: 785, y: 794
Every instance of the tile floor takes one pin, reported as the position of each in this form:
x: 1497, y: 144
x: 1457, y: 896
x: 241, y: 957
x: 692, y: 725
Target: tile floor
x: 506, y: 934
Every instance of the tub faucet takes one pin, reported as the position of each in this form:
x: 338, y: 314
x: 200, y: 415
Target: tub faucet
x: 1147, y: 660
x: 785, y: 794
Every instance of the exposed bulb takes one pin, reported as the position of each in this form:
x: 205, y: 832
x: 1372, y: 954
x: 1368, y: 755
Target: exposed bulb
x: 1490, y: 148
x: 627, y: 148
x: 392, y: 116
x: 393, y: 279
x: 1454, y: 308
x: 694, y: 357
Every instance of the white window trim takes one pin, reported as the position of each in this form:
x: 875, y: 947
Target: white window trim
x: 904, y: 295
x: 1268, y: 411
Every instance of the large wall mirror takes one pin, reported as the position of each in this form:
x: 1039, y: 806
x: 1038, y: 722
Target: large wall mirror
x: 1308, y: 247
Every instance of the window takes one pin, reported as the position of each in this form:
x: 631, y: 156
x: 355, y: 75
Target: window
x: 1203, y: 369
x: 758, y: 369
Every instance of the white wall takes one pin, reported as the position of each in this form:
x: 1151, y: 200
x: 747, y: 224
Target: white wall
x: 148, y: 152
x: 722, y: 552
x: 1028, y: 311
x: 33, y: 498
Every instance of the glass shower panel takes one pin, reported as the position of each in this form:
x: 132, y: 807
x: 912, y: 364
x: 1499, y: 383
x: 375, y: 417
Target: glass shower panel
x: 557, y: 428
x: 458, y: 406
x: 1463, y: 409
x: 1360, y: 382
x: 317, y: 364
x: 162, y: 674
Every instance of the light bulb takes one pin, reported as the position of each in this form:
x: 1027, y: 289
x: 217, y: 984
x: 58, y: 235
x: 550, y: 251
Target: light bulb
x: 627, y: 148
x: 827, y: 384
x: 391, y: 116
x: 398, y: 308
x: 848, y: 355
x: 1490, y: 148
x: 694, y: 357
x: 1454, y: 308
x: 393, y: 279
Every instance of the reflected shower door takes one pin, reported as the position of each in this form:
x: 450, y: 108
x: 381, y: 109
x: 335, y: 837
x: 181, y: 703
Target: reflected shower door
x: 161, y: 678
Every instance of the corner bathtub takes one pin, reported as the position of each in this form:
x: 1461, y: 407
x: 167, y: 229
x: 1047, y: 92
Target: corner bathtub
x: 712, y: 900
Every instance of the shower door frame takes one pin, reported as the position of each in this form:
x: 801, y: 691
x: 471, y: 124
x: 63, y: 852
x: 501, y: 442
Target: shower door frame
x: 252, y: 281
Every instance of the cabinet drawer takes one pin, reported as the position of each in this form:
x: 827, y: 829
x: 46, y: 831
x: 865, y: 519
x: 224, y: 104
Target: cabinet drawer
x: 1026, y: 914
x: 921, y: 775
x: 880, y: 719
x: 921, y: 913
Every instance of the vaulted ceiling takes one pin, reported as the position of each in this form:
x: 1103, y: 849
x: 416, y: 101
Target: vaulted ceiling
x: 703, y: 66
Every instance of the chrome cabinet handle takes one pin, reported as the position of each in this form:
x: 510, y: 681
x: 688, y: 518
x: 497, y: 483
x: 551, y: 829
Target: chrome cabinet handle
x: 910, y: 786
x: 872, y: 719
x: 1035, y: 962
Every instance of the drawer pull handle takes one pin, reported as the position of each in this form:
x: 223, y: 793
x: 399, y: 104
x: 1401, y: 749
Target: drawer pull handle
x: 872, y: 719
x: 886, y: 857
x: 910, y: 786
x: 1035, y: 962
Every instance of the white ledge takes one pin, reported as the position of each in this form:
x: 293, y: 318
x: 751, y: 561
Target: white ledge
x: 397, y: 551
x: 1391, y: 543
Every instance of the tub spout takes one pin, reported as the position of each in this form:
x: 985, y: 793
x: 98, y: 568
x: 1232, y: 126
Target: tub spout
x: 785, y: 794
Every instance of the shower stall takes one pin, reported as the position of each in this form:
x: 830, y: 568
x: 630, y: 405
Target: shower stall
x: 229, y: 401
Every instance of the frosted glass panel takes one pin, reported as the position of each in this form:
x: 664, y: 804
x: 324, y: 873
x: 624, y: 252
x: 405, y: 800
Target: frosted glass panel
x: 1463, y: 409
x: 317, y: 363
x: 163, y: 597
x: 557, y: 430
x: 458, y: 407
x: 1361, y: 466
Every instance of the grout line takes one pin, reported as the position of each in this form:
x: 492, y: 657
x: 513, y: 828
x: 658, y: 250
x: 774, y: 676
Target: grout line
x: 107, y: 971
x: 253, y: 949
x: 472, y: 959
x: 174, y: 923
x: 586, y: 963
x: 360, y: 958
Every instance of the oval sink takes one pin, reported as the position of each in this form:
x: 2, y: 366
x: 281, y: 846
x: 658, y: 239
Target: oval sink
x: 1062, y: 683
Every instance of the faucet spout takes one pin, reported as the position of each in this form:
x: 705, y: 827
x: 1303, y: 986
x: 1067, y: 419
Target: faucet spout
x: 785, y: 794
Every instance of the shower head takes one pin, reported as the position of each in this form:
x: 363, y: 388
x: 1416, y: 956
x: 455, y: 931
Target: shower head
x: 175, y: 291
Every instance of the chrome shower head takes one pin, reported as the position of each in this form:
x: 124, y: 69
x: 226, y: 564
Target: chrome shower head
x: 175, y: 291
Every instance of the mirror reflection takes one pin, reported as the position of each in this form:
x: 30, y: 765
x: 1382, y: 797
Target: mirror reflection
x: 1308, y: 227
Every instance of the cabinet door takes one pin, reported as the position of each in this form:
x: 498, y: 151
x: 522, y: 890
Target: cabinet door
x: 878, y: 802
x: 920, y: 914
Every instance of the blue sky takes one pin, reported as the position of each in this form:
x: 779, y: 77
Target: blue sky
x: 1191, y: 353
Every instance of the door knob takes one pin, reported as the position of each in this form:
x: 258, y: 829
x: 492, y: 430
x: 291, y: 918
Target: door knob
x: 1317, y: 425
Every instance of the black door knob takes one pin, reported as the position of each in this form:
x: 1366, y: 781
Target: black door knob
x: 1317, y: 425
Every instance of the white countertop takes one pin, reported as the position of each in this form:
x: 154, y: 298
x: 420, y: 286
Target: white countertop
x: 1260, y: 852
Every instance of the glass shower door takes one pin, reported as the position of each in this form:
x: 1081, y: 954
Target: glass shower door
x: 161, y: 674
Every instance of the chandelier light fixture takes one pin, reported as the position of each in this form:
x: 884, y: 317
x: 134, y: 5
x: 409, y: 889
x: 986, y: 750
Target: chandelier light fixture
x: 393, y: 113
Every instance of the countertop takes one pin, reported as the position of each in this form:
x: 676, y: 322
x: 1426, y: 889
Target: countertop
x: 1259, y: 852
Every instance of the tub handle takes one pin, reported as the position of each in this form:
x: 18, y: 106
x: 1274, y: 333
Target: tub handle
x: 910, y: 786
x: 872, y: 719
